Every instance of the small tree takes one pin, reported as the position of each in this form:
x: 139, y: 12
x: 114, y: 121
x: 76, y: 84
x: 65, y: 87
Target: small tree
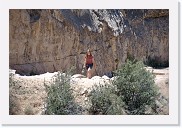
x: 105, y: 101
x: 59, y: 96
x: 136, y: 87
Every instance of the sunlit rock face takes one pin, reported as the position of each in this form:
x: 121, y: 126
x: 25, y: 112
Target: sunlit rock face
x: 54, y: 40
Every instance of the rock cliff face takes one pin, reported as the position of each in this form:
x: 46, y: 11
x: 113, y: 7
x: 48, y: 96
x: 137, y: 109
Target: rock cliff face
x: 54, y: 40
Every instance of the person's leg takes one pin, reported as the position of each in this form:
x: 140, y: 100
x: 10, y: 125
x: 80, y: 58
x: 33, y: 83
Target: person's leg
x: 89, y: 74
x: 89, y: 71
x: 87, y: 66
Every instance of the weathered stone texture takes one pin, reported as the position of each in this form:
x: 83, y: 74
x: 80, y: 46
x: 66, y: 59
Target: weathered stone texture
x: 51, y: 40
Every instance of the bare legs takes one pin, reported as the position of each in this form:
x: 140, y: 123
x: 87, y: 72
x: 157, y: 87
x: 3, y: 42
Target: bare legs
x: 89, y: 73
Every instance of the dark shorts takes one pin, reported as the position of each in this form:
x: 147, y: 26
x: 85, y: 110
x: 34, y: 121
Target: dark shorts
x: 89, y: 66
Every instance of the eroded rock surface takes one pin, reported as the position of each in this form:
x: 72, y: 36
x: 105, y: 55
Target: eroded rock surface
x: 54, y: 40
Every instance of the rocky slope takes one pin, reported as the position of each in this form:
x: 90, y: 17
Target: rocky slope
x: 54, y: 40
x: 28, y: 94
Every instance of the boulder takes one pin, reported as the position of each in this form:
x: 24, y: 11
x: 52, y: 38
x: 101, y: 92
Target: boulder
x: 105, y: 77
x: 78, y: 76
x: 96, y: 78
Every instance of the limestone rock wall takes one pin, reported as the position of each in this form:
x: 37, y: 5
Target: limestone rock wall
x: 54, y: 40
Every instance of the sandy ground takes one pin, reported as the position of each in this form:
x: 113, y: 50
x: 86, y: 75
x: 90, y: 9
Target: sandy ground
x: 28, y: 93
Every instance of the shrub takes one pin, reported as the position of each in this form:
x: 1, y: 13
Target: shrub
x: 11, y: 79
x: 59, y: 95
x: 29, y: 110
x: 105, y: 101
x: 130, y: 57
x: 136, y: 87
x: 14, y: 104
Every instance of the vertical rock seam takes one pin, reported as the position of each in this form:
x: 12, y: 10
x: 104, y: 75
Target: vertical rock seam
x: 55, y: 40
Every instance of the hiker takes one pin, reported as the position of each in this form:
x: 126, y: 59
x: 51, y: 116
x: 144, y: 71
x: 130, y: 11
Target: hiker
x: 89, y: 63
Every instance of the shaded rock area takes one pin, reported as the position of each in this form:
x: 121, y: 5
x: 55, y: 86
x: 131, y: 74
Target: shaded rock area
x: 28, y: 94
x: 54, y: 40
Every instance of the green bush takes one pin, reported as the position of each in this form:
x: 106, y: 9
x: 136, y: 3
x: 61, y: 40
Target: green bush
x: 29, y: 110
x: 11, y: 79
x: 60, y: 99
x: 130, y: 57
x: 105, y: 101
x: 14, y: 104
x: 136, y: 87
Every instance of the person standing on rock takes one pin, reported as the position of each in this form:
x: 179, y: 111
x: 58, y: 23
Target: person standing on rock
x: 89, y: 63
